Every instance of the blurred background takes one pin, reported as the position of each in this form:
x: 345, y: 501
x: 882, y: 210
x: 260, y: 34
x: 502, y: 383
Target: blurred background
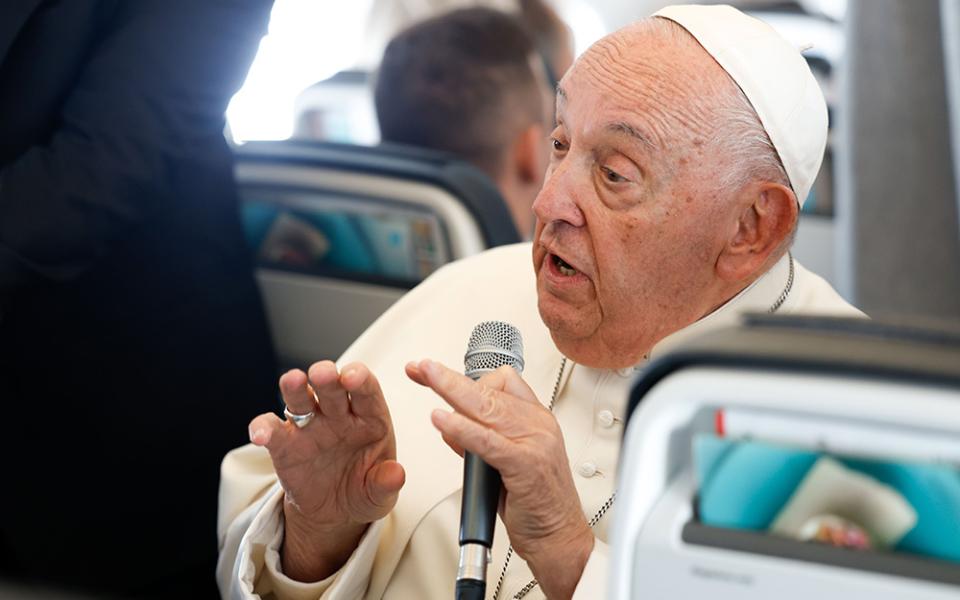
x: 879, y: 226
x: 335, y: 225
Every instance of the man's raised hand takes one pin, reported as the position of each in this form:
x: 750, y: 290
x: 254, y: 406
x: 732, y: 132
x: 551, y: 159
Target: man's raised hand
x: 339, y: 472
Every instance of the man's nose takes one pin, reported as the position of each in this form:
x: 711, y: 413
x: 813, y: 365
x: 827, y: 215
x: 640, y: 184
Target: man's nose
x: 558, y: 199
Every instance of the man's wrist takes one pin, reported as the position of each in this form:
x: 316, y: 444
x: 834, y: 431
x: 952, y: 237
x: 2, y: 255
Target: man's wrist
x: 558, y: 563
x: 312, y: 553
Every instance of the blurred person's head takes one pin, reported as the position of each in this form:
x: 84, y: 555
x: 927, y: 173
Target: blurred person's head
x: 553, y: 38
x: 470, y: 82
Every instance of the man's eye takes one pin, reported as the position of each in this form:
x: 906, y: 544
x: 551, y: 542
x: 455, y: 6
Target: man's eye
x: 558, y: 145
x: 613, y: 177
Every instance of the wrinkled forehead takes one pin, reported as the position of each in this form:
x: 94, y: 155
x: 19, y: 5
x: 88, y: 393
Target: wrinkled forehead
x: 652, y: 68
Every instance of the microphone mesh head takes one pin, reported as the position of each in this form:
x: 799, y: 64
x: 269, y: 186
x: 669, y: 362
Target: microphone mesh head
x: 493, y: 344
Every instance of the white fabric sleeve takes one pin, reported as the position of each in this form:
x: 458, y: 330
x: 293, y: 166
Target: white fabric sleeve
x: 593, y: 582
x: 251, y: 534
x: 253, y: 570
x: 348, y: 583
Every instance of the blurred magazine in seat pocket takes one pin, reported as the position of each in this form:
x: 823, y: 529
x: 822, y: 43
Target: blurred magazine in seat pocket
x: 810, y: 496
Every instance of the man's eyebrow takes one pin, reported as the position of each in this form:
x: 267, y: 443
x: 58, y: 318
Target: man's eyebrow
x: 621, y: 127
x: 628, y: 129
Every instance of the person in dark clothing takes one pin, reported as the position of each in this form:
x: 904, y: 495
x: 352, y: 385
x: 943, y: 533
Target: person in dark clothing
x: 122, y: 266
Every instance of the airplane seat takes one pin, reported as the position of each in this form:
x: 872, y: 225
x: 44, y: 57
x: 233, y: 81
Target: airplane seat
x: 339, y: 232
x: 796, y: 458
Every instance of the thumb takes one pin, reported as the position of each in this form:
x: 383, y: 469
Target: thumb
x: 383, y: 483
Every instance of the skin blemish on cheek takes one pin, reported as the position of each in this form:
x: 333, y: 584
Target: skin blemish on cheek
x: 631, y: 223
x: 689, y: 199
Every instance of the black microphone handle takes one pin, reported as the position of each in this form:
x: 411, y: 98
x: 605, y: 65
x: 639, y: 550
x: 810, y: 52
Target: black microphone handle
x: 470, y: 589
x: 481, y: 495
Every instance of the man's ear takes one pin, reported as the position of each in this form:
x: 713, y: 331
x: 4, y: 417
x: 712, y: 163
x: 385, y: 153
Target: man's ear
x: 762, y: 229
x: 530, y: 155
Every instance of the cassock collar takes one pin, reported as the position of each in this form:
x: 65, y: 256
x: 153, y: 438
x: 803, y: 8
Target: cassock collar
x: 759, y: 296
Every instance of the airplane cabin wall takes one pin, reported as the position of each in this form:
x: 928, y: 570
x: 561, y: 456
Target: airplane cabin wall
x: 897, y: 242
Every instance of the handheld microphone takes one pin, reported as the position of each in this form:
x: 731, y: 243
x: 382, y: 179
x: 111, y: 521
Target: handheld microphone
x: 492, y: 344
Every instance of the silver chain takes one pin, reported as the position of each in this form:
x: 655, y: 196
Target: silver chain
x: 556, y: 385
x: 596, y: 518
x: 786, y: 290
x: 609, y: 503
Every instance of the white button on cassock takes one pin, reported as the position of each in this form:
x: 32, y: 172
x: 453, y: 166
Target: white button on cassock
x: 606, y: 419
x: 587, y: 469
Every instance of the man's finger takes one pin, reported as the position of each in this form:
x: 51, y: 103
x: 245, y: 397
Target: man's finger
x: 331, y: 397
x: 296, y: 393
x: 266, y: 430
x: 453, y: 445
x: 383, y: 483
x: 506, y: 379
x: 413, y: 372
x: 479, y: 400
x: 473, y: 437
x: 366, y: 398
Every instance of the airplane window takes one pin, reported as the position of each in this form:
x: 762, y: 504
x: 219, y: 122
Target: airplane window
x: 834, y: 9
x: 311, y: 76
x: 584, y: 21
x: 308, y: 41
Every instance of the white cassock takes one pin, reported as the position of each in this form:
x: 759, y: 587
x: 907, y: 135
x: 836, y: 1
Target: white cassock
x: 413, y: 552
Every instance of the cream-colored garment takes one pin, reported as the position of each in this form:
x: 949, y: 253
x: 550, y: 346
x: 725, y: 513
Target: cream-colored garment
x: 412, y: 553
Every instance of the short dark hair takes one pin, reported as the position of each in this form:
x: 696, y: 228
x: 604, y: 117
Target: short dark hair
x: 461, y: 82
x: 549, y: 33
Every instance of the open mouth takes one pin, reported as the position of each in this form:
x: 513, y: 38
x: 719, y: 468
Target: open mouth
x: 562, y: 266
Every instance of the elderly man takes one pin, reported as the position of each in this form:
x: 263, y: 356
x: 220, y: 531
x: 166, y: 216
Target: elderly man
x: 682, y: 146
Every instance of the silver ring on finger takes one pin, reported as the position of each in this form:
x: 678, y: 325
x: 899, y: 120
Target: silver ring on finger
x: 299, y: 420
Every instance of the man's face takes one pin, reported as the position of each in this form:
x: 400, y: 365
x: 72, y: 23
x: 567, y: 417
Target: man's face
x: 629, y: 221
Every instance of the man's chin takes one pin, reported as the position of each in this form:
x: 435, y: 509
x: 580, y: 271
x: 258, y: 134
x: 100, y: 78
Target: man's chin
x: 566, y: 323
x: 581, y: 350
x: 577, y: 336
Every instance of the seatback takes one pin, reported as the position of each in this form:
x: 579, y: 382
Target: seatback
x: 734, y: 440
x: 339, y: 232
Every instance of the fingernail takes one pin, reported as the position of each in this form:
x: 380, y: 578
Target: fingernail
x: 440, y: 416
x: 347, y: 374
x: 257, y: 436
x: 428, y: 366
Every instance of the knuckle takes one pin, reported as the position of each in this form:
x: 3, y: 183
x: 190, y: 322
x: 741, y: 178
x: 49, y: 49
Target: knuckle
x: 493, y: 379
x: 487, y: 443
x: 489, y: 403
